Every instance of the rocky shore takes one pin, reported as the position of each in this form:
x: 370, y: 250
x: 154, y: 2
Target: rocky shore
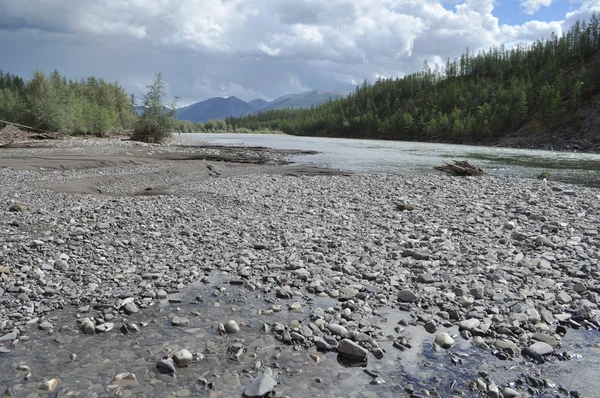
x: 187, y: 276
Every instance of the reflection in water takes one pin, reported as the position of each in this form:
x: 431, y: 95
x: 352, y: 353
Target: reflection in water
x: 87, y: 364
x: 369, y: 156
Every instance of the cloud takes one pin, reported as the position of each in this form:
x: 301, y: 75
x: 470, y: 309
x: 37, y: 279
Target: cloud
x: 255, y: 48
x: 532, y: 6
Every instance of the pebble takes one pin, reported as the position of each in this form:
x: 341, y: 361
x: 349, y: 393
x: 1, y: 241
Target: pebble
x: 444, y: 340
x: 179, y: 321
x: 231, y: 327
x: 352, y: 350
x: 260, y: 386
x: 183, y: 358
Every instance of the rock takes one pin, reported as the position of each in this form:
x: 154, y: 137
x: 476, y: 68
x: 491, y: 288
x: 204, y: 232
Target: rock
x: 165, y: 366
x: 444, y: 340
x: 87, y: 326
x: 337, y: 329
x: 260, y: 386
x: 563, y: 298
x: 16, y: 207
x: 182, y: 358
x: 426, y: 278
x: 407, y: 296
x: 131, y: 308
x: 125, y: 380
x: 546, y: 338
x: 541, y: 348
x: 179, y: 321
x: 105, y: 327
x: 45, y: 325
x: 469, y: 324
x: 510, y: 393
x: 232, y: 327
x: 4, y: 270
x: 543, y: 241
x: 161, y: 294
x: 352, y: 350
x: 49, y: 385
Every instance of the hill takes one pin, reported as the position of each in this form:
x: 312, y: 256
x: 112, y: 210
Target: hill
x: 548, y: 90
x: 214, y: 108
x: 222, y: 108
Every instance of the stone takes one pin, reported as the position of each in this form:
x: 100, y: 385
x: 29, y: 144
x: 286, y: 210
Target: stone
x: 563, y: 298
x: 337, y: 329
x: 10, y: 336
x: 541, y: 348
x: 104, y: 327
x: 546, y: 338
x: 165, y: 366
x: 426, y: 278
x: 87, y: 326
x: 407, y: 296
x: 510, y: 393
x: 444, y: 340
x: 16, y: 207
x: 131, y: 308
x: 48, y: 385
x: 469, y: 324
x: 352, y: 350
x: 4, y: 270
x: 161, y: 294
x: 182, y: 358
x: 231, y: 327
x: 125, y: 380
x: 260, y: 386
x: 179, y: 321
x: 45, y: 325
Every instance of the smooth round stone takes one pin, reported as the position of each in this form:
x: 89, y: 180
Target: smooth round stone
x: 444, y: 340
x: 232, y: 327
x: 131, y: 308
x: 541, y: 348
x: 469, y: 324
x: 337, y: 329
x: 178, y: 321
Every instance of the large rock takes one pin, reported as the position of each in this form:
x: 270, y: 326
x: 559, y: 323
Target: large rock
x: 260, y: 386
x: 444, y: 340
x: 352, y: 350
x: 407, y: 296
x: 469, y: 324
x: 183, y: 358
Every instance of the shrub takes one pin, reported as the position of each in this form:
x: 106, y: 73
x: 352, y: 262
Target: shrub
x: 156, y: 123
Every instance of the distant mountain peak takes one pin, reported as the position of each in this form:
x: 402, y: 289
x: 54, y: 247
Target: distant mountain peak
x: 232, y: 106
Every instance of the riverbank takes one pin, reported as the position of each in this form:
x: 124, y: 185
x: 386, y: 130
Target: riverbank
x: 507, y: 267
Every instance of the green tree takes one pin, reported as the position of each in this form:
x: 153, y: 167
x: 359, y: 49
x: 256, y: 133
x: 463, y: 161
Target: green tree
x: 156, y: 123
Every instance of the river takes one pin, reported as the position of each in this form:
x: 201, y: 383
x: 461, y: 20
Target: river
x: 375, y: 156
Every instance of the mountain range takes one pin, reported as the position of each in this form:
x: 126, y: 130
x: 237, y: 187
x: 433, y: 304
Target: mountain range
x: 222, y: 108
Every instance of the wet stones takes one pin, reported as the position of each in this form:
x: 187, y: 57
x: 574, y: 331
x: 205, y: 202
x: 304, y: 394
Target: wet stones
x: 352, y: 350
x: 444, y: 340
x: 231, y: 326
x: 260, y: 386
x: 183, y: 358
x: 87, y: 326
x: 165, y: 366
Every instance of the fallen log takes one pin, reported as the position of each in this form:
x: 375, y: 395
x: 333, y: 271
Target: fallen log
x: 461, y: 168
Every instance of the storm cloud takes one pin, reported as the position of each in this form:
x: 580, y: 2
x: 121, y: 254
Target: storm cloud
x: 255, y: 48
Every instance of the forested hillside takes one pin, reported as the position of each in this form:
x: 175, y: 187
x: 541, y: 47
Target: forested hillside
x: 543, y: 86
x: 90, y: 106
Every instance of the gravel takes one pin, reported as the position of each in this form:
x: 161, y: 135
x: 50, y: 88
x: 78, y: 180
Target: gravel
x: 507, y: 263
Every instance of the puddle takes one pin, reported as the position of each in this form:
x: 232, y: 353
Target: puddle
x: 85, y: 365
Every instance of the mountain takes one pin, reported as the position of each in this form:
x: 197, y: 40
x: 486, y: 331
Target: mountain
x: 258, y: 103
x: 304, y: 100
x: 222, y: 108
x: 214, y: 108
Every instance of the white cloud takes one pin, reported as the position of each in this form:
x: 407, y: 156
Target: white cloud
x: 532, y: 6
x: 263, y: 48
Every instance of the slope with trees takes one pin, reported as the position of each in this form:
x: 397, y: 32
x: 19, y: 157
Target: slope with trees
x: 549, y: 85
x: 50, y: 102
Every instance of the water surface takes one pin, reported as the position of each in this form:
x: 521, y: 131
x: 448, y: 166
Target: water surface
x: 375, y: 156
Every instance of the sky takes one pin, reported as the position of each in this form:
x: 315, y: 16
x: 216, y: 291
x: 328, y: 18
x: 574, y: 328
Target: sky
x: 263, y: 48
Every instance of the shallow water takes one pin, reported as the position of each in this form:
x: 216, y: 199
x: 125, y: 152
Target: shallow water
x: 100, y: 357
x: 373, y: 156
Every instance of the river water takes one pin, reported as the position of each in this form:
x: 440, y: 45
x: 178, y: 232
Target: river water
x: 374, y: 156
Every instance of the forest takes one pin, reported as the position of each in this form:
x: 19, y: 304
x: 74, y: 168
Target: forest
x: 53, y: 103
x: 475, y: 98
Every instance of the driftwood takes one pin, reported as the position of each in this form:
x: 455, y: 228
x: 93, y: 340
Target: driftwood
x: 15, y: 135
x: 461, y: 168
